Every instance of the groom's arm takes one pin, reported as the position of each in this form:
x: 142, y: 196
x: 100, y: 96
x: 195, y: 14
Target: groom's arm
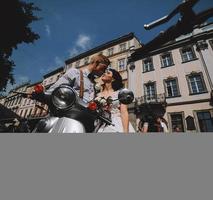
x: 67, y: 78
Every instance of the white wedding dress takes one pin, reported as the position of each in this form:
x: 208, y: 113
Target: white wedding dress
x: 115, y: 117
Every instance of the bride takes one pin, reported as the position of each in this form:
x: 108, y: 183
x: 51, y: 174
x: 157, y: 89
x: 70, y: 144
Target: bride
x: 112, y: 83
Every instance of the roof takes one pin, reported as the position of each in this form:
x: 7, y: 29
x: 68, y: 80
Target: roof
x: 54, y: 72
x: 38, y: 82
x: 121, y: 39
x: 142, y: 52
x: 20, y: 86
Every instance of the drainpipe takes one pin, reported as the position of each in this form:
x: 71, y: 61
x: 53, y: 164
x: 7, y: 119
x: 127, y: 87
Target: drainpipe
x: 201, y: 46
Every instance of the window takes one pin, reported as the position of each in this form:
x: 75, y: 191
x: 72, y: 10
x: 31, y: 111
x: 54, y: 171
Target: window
x: 177, y: 121
x: 172, y: 87
x: 166, y: 60
x: 19, y: 100
x: 5, y: 103
x: 13, y: 100
x: 148, y: 65
x: 35, y: 111
x: 9, y: 102
x: 205, y: 121
x: 123, y: 47
x: 24, y: 113
x: 211, y: 43
x: 196, y: 83
x: 86, y: 60
x: 110, y: 51
x: 77, y: 64
x: 190, y: 123
x: 59, y: 75
x: 30, y: 113
x: 25, y: 102
x: 50, y: 80
x: 187, y: 54
x: 121, y: 64
x: 28, y: 103
x: 21, y: 113
x: 150, y: 91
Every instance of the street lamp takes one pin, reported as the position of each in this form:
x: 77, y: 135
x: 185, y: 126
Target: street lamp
x: 131, y: 64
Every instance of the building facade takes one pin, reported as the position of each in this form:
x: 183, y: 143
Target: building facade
x: 26, y: 107
x: 175, y: 81
x: 51, y: 77
x: 30, y: 108
x: 2, y: 99
x: 14, y: 100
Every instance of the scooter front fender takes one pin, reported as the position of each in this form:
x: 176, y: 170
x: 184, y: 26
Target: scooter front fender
x: 67, y: 125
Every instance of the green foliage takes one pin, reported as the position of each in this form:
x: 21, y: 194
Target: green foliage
x: 15, y: 19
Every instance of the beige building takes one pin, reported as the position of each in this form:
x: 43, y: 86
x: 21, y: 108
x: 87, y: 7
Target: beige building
x: 13, y: 100
x: 30, y: 108
x: 175, y: 81
x: 51, y: 77
x: 117, y: 50
x: 23, y: 107
x: 2, y: 99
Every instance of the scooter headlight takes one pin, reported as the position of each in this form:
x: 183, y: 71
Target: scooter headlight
x: 63, y: 97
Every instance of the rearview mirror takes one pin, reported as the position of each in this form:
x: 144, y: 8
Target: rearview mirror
x: 125, y: 96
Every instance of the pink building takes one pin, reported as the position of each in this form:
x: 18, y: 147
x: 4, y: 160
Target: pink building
x: 175, y: 82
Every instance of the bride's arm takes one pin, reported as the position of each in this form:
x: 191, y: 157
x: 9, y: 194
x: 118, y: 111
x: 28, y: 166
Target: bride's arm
x: 125, y: 117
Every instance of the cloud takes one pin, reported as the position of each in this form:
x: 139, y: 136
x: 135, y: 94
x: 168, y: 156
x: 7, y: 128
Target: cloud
x: 47, y: 29
x: 73, y: 51
x: 8, y: 88
x: 82, y: 43
x: 44, y: 71
x: 20, y: 79
x: 58, y: 61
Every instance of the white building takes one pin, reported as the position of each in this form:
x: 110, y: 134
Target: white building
x: 175, y: 81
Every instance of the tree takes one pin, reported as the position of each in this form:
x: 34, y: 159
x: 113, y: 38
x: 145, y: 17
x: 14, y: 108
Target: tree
x: 15, y: 18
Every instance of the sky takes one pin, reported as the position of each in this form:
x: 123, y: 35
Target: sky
x: 70, y: 27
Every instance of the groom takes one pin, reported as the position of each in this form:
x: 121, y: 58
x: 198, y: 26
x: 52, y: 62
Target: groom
x: 96, y: 67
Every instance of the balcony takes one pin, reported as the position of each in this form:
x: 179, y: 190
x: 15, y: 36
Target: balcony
x: 154, y: 99
x: 211, y: 98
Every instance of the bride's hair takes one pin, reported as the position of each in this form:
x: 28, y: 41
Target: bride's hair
x: 117, y: 82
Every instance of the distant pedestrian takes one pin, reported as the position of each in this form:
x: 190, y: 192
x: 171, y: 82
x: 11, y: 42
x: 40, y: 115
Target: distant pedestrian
x: 143, y: 126
x: 176, y: 129
x: 161, y: 125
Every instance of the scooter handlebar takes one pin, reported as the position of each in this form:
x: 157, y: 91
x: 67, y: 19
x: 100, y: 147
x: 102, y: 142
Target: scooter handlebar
x: 155, y: 23
x: 181, y: 8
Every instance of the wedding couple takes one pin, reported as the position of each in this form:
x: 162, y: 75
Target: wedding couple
x: 112, y: 83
